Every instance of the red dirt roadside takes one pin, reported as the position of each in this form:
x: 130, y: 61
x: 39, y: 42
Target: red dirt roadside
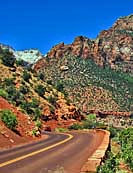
x: 7, y: 137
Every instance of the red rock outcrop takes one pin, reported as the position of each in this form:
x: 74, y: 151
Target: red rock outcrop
x: 63, y: 111
x: 113, y: 113
x: 112, y: 47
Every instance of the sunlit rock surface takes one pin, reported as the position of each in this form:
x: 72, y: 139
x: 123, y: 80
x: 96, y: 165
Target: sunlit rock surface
x: 31, y: 56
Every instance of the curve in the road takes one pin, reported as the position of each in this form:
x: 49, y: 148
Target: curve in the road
x: 36, y: 152
x: 69, y: 152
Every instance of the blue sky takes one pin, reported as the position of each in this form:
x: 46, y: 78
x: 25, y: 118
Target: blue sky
x: 43, y: 23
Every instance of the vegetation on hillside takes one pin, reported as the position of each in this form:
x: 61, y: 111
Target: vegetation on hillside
x: 33, y: 96
x: 7, y: 57
x: 84, y: 76
x: 9, y: 119
x: 89, y: 123
x: 124, y: 138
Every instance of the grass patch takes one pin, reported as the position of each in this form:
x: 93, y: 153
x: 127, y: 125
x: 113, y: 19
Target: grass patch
x: 61, y: 130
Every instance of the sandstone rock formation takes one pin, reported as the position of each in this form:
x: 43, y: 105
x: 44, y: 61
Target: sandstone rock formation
x: 113, y: 47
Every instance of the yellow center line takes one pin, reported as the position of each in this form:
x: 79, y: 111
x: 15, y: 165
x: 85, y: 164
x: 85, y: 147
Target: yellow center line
x: 35, y: 152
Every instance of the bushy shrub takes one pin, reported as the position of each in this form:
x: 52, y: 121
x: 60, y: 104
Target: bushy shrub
x: 7, y: 57
x: 40, y: 89
x: 91, y: 117
x: 52, y: 100
x: 35, y: 132
x: 8, y: 81
x: 24, y: 89
x: 90, y: 122
x: 59, y: 86
x: 38, y: 124
x: 110, y: 165
x: 76, y: 126
x: 113, y: 132
x: 61, y: 130
x: 37, y: 113
x: 41, y: 76
x: 34, y: 103
x: 11, y: 90
x: 20, y: 62
x: 52, y: 109
x: 26, y: 106
x: 32, y: 108
x: 49, y: 82
x: 3, y: 93
x: 26, y: 76
x: 15, y: 96
x: 9, y: 119
x: 126, y: 142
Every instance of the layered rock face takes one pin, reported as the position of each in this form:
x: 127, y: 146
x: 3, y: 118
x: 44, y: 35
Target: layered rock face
x: 81, y: 47
x: 113, y: 47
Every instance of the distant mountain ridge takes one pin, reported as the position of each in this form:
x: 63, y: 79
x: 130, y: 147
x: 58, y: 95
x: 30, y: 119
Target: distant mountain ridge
x: 31, y: 56
x: 96, y: 74
x: 113, y: 47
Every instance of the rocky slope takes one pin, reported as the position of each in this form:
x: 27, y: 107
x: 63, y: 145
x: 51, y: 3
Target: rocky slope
x: 36, y: 104
x: 112, y: 47
x: 53, y: 102
x: 88, y: 86
x: 25, y: 124
x: 78, y: 67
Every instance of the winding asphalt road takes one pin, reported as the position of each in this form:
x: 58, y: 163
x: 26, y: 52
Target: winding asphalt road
x: 66, y: 152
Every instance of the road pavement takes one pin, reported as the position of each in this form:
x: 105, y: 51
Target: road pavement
x: 59, y: 153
